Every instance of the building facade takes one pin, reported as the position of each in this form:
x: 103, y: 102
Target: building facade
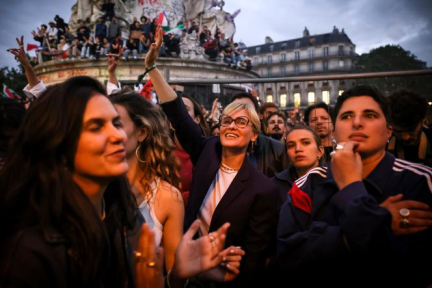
x: 331, y: 53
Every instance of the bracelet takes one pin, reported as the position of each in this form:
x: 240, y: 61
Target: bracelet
x: 147, y: 70
x: 167, y: 280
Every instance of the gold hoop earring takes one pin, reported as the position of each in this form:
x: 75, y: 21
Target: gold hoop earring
x: 136, y: 154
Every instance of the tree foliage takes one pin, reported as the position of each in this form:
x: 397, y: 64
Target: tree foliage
x: 394, y: 58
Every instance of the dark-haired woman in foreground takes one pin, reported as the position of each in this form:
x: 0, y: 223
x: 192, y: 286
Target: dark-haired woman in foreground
x: 68, y: 217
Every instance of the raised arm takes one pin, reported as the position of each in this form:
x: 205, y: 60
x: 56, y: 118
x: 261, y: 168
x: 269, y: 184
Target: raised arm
x: 163, y: 90
x: 35, y: 87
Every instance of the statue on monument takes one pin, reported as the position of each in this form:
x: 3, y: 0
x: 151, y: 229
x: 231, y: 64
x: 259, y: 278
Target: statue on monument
x: 203, y: 12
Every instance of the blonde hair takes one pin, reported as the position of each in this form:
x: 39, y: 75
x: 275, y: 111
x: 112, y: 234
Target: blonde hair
x: 250, y: 112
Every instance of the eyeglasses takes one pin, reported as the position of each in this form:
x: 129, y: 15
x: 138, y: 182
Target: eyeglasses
x: 240, y: 122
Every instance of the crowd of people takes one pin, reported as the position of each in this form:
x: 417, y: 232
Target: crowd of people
x: 338, y: 199
x: 105, y: 37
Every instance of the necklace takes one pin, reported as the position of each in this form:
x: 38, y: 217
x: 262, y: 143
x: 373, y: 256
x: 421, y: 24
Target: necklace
x: 103, y: 209
x: 227, y: 169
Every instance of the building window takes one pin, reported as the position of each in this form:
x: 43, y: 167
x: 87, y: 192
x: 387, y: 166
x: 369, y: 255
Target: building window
x: 325, y: 66
x: 311, y: 67
x: 258, y: 50
x: 325, y: 51
x: 341, y: 50
x: 283, y: 71
x: 283, y: 57
x: 311, y: 53
x: 283, y: 100
x: 271, y: 47
x: 256, y: 61
x: 269, y: 59
x: 297, y: 44
x: 269, y: 74
x: 340, y: 92
x: 341, y: 63
x: 326, y: 96
x: 269, y: 98
x: 283, y: 46
x: 311, y: 98
x: 297, y: 99
x: 297, y: 55
x: 296, y: 69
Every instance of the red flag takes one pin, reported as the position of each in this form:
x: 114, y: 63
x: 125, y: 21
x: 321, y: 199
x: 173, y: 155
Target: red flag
x: 31, y: 46
x: 146, y: 90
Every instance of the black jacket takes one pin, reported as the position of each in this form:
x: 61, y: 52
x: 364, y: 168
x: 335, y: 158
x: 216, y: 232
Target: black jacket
x: 269, y: 156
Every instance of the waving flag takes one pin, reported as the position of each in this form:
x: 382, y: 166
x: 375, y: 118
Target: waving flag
x: 163, y: 20
x: 9, y: 93
x: 31, y: 46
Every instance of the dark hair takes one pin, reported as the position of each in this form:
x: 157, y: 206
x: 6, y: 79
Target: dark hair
x: 407, y: 108
x: 199, y: 113
x: 316, y: 106
x: 362, y: 90
x: 38, y: 186
x: 267, y: 105
x: 308, y: 128
x: 246, y: 95
x: 280, y: 114
x: 157, y: 150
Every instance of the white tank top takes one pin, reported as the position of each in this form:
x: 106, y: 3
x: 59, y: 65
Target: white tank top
x: 149, y: 215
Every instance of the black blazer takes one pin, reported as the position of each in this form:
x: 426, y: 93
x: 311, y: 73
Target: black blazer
x: 251, y: 203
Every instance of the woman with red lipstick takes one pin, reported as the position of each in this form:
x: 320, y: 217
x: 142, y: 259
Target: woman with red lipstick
x: 225, y: 185
x: 371, y: 215
x: 304, y: 152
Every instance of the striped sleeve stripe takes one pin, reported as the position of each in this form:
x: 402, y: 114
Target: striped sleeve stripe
x: 420, y: 167
x: 399, y: 167
x: 322, y: 171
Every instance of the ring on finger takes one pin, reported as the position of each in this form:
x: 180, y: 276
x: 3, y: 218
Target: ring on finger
x: 151, y: 264
x: 138, y: 256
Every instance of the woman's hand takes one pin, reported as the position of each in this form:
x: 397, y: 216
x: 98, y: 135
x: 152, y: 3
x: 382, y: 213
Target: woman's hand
x: 420, y: 215
x: 196, y: 256
x: 153, y: 53
x: 148, y: 263
x: 19, y: 53
x: 230, y: 267
x: 346, y: 165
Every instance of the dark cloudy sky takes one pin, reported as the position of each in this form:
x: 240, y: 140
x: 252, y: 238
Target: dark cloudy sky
x: 369, y: 23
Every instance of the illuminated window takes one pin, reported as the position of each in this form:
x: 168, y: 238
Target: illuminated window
x: 340, y: 92
x: 269, y: 98
x: 297, y: 99
x: 326, y: 96
x: 283, y: 100
x: 311, y: 98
